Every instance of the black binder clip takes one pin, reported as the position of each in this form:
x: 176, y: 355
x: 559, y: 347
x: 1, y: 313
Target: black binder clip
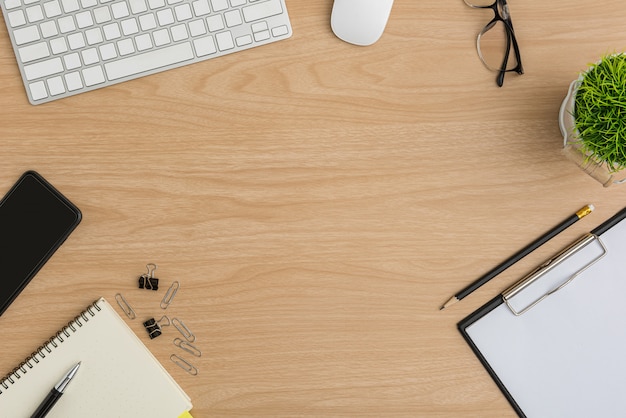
x: 147, y: 280
x: 153, y: 327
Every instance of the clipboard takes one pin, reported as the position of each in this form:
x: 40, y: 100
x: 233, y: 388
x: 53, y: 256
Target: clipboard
x: 555, y: 341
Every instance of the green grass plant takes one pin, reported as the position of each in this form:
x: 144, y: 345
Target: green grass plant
x: 600, y: 111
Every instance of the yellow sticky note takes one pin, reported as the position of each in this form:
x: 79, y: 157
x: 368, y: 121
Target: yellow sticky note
x: 185, y: 414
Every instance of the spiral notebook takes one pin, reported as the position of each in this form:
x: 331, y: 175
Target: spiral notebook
x: 118, y: 377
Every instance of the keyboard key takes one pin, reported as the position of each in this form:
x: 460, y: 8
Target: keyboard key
x: 262, y: 36
x: 72, y: 61
x: 38, y: 90
x: 48, y: 29
x: 262, y: 10
x: 94, y: 36
x: 108, y: 51
x: 34, y: 13
x: 88, y: 3
x: 143, y: 42
x: 233, y: 18
x: 219, y: 5
x: 201, y: 7
x: 224, y: 41
x: 58, y: 46
x: 244, y: 40
x: 259, y: 27
x: 179, y: 33
x: 147, y: 22
x: 53, y: 8
x: 66, y: 24
x: 90, y: 56
x: 204, y: 46
x: 148, y: 61
x: 55, y: 86
x: 111, y: 31
x: 120, y: 10
x: 183, y: 12
x: 129, y: 26
x: 84, y: 19
x: 73, y: 81
x: 155, y: 4
x: 102, y: 14
x: 215, y: 23
x: 126, y: 47
x: 165, y: 17
x: 43, y: 68
x: 25, y: 35
x: 237, y: 3
x: 12, y: 4
x: 17, y: 18
x: 138, y: 6
x: 161, y: 37
x: 76, y: 41
x: 280, y: 31
x: 197, y: 28
x: 70, y: 6
x: 34, y: 52
x: 93, y: 76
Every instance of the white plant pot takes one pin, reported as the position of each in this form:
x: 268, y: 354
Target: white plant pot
x: 572, y: 147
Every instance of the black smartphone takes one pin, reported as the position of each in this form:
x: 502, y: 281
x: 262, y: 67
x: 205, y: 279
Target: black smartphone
x: 35, y: 219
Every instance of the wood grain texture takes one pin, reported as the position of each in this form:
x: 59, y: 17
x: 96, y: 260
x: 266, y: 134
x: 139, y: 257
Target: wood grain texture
x: 318, y: 202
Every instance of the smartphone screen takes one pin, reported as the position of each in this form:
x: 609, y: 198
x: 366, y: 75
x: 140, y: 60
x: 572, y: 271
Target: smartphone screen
x: 35, y: 219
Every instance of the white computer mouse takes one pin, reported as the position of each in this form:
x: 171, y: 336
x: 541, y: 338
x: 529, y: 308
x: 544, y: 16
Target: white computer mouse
x: 360, y: 22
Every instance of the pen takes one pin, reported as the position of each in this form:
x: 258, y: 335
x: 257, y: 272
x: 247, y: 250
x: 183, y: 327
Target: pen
x: 519, y: 255
x: 55, y: 393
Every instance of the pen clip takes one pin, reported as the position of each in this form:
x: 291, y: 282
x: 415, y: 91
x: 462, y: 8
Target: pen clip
x: 548, y: 266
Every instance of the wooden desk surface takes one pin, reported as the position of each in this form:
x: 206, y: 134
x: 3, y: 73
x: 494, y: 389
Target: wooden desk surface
x: 318, y: 202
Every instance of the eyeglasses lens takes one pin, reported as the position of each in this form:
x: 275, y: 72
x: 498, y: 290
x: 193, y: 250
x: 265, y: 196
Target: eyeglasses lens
x: 492, y: 47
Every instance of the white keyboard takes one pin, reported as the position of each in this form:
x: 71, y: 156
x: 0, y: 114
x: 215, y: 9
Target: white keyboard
x: 66, y: 47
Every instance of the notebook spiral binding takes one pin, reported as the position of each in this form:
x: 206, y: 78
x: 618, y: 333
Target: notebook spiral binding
x: 48, y: 346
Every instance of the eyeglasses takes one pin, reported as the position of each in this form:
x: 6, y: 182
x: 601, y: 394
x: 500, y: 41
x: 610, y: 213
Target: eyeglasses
x: 494, y: 42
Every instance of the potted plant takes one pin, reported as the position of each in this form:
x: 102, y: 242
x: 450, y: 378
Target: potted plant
x: 592, y: 119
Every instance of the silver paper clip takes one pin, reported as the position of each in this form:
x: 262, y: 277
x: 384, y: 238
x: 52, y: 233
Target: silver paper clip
x: 180, y: 326
x: 188, y: 347
x: 126, y: 308
x: 184, y: 364
x: 169, y: 295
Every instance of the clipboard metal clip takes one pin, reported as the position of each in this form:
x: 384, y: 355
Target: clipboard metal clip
x: 544, y: 268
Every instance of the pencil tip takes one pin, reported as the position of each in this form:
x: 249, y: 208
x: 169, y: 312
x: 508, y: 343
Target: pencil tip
x: 451, y: 301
